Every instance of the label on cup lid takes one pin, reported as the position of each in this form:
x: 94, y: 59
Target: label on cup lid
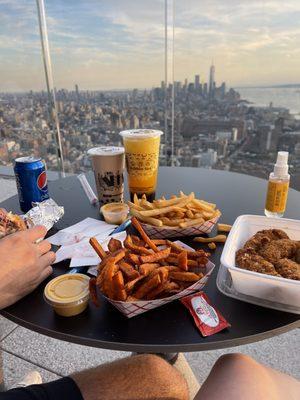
x: 140, y: 133
x: 105, y: 151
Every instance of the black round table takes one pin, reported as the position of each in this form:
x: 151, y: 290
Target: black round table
x: 168, y: 329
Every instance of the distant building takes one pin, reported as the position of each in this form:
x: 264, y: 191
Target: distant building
x: 211, y: 81
x: 77, y: 91
x: 197, y: 82
x: 206, y: 159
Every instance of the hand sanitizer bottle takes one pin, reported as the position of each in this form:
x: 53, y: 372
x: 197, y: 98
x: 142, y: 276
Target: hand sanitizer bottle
x: 278, y: 187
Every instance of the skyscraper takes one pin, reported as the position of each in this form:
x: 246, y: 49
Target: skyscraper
x: 77, y: 91
x: 211, y: 80
x: 197, y: 82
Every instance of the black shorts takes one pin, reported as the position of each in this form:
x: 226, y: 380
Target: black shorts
x: 64, y: 388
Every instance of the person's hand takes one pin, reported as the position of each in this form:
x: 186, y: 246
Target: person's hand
x: 24, y: 264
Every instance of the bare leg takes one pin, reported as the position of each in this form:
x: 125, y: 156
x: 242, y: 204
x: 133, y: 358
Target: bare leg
x: 237, y: 376
x: 142, y: 377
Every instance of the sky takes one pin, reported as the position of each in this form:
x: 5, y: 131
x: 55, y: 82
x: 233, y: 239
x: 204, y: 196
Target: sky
x: 119, y: 44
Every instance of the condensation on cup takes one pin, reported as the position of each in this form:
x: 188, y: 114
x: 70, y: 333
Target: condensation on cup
x: 108, y: 165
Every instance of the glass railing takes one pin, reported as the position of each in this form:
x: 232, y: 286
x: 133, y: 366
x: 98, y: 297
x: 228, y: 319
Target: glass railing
x: 219, y: 78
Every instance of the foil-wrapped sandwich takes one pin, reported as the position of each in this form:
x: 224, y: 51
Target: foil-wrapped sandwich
x: 46, y: 213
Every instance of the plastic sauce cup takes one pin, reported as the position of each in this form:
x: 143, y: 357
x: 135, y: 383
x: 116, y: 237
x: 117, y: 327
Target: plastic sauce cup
x: 115, y: 213
x: 68, y: 294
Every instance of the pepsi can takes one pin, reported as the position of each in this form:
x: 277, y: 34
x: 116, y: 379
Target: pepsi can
x: 31, y: 181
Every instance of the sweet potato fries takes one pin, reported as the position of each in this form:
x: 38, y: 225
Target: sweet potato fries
x: 145, y: 269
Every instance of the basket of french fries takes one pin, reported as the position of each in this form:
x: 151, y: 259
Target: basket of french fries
x: 141, y: 273
x: 182, y: 215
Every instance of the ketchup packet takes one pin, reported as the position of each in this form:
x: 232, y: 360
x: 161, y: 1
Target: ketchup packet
x: 207, y: 318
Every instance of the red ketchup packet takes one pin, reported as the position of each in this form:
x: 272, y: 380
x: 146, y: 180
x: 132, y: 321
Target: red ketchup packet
x: 207, y: 318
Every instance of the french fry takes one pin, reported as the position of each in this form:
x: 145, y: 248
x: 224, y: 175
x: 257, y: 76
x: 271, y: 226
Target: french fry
x: 224, y: 227
x: 165, y: 203
x: 192, y: 222
x: 133, y: 259
x: 159, y: 211
x: 208, y: 215
x: 157, y: 291
x: 163, y: 273
x: 183, y: 260
x: 108, y: 286
x: 128, y: 271
x: 203, y: 206
x: 114, y: 245
x: 146, y: 204
x: 172, y: 268
x: 145, y: 269
x: 144, y: 236
x: 212, y: 245
x: 159, y: 242
x: 138, y: 249
x: 174, y: 260
x: 136, y: 200
x: 190, y: 214
x: 134, y: 206
x: 118, y: 284
x: 131, y: 285
x: 131, y: 299
x: 171, y: 222
x: 184, y: 276
x: 97, y: 247
x: 93, y: 291
x: 176, y: 248
x: 218, y: 239
x: 160, y: 255
x: 137, y: 241
x: 147, y: 220
x: 147, y: 286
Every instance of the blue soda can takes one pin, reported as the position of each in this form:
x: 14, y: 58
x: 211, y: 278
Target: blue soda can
x: 31, y: 181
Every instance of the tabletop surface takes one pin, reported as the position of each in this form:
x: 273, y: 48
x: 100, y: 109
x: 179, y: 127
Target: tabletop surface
x: 169, y: 328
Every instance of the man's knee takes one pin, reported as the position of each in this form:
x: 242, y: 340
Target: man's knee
x: 235, y: 358
x: 163, y: 374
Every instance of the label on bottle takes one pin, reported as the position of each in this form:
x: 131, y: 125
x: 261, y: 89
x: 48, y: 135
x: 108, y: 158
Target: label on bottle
x: 277, y: 196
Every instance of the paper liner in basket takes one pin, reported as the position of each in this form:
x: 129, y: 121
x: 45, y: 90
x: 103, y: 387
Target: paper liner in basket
x: 157, y: 232
x: 131, y: 309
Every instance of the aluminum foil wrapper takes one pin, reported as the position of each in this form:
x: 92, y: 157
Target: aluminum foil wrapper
x: 46, y: 213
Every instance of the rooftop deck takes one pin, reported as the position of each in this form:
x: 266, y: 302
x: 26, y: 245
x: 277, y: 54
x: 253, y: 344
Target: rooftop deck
x: 23, y: 350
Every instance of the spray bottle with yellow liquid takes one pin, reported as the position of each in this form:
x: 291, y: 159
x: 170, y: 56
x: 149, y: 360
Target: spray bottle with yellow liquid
x: 278, y: 187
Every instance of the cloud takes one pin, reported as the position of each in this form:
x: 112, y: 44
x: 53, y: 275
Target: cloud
x: 120, y: 43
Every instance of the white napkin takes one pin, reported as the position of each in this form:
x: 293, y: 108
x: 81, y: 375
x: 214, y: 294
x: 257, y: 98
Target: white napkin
x: 85, y: 229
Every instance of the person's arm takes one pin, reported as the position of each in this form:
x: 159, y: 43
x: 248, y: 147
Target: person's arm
x: 24, y: 264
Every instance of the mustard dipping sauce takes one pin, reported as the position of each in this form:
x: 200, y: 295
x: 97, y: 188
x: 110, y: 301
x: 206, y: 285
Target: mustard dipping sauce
x: 68, y: 294
x: 115, y: 213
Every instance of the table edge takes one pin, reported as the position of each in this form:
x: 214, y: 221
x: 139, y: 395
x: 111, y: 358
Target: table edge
x: 149, y: 348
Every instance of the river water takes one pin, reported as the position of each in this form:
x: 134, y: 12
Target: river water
x: 280, y: 97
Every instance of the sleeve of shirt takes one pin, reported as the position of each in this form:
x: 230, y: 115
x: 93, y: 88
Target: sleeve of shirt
x: 64, y: 388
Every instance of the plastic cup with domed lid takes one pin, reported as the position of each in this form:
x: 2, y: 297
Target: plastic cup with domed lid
x: 108, y: 165
x: 142, y: 159
x: 68, y: 294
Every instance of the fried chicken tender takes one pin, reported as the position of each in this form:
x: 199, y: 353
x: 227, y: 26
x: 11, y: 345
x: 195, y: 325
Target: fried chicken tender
x: 263, y: 237
x: 250, y: 260
x: 271, y: 252
x: 277, y: 249
x: 288, y: 269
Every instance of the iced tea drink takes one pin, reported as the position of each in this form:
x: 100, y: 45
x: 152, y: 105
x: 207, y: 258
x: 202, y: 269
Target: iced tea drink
x: 142, y: 158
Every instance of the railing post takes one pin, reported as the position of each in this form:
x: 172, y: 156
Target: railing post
x: 52, y: 107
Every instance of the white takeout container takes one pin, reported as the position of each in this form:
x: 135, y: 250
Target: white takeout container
x: 266, y: 287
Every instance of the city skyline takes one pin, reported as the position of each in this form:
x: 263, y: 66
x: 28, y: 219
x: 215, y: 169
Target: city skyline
x: 113, y: 45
